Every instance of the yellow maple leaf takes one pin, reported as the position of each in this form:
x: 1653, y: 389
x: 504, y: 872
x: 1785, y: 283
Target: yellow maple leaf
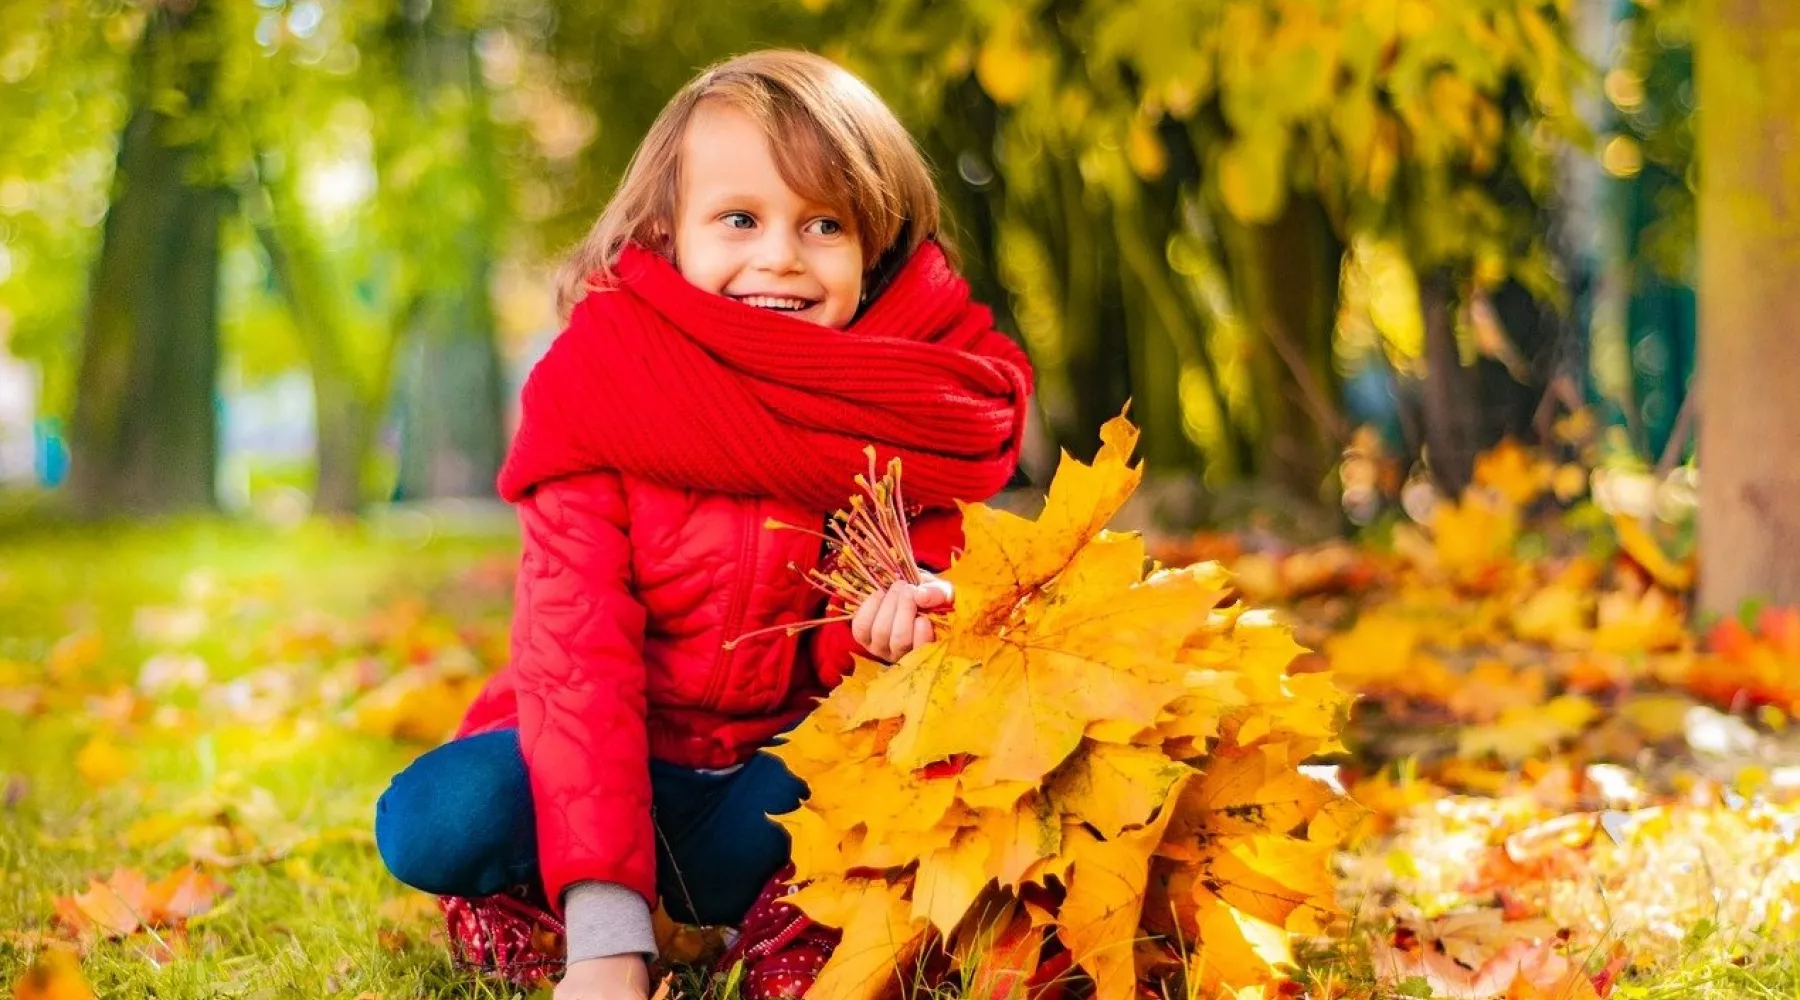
x: 949, y: 879
x: 1021, y: 837
x: 1252, y: 790
x: 1118, y: 786
x: 1559, y: 614
x: 1236, y: 948
x: 419, y: 704
x: 1378, y: 647
x: 880, y: 935
x: 1099, y: 919
x: 1077, y: 722
x: 1278, y: 880
x: 1006, y: 556
x: 1099, y: 648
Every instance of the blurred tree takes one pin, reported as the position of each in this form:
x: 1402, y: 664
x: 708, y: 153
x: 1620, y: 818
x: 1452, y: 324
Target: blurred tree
x: 351, y: 363
x: 1236, y: 147
x: 143, y: 437
x: 64, y: 70
x: 336, y: 267
x: 435, y: 153
x: 1749, y: 216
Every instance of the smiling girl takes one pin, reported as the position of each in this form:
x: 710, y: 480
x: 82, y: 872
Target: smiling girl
x: 764, y: 296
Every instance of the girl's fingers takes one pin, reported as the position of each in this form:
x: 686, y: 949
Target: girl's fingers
x: 862, y: 624
x: 934, y: 593
x: 882, y: 631
x: 900, y: 626
x: 923, y: 633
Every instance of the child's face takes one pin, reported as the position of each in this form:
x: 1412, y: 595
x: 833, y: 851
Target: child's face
x: 741, y: 231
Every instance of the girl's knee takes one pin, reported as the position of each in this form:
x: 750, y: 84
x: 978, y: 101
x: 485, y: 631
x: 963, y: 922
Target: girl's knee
x: 458, y: 821
x: 410, y: 839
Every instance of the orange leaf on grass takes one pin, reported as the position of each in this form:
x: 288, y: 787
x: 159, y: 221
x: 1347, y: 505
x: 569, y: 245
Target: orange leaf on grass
x: 1473, y: 955
x: 55, y: 975
x: 127, y: 902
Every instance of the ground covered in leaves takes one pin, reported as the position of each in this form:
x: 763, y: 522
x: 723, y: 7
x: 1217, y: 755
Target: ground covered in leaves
x: 1558, y: 774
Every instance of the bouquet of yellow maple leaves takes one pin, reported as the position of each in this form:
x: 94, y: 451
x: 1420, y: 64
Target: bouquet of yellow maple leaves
x: 1092, y: 770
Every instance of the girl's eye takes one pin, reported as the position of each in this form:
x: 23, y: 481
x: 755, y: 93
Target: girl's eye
x: 737, y: 220
x: 829, y: 227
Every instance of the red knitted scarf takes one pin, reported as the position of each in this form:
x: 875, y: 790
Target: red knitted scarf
x: 659, y: 379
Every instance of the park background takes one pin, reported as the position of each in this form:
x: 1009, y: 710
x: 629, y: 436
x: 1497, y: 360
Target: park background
x: 1440, y: 289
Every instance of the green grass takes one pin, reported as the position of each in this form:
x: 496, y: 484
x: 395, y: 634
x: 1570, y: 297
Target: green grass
x: 320, y: 919
x: 317, y: 915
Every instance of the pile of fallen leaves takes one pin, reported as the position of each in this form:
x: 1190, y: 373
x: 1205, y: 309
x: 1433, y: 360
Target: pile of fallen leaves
x: 1563, y: 779
x: 1090, y: 767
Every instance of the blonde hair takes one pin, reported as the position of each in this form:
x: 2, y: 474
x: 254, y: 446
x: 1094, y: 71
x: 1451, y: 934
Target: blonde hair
x: 838, y: 145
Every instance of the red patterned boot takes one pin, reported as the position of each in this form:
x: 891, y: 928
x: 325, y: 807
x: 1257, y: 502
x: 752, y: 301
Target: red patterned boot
x: 781, y: 948
x: 505, y: 935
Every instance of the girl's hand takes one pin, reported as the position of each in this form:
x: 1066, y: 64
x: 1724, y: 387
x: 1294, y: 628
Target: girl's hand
x: 889, y: 625
x: 615, y: 977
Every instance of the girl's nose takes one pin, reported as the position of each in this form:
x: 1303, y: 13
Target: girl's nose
x: 778, y: 251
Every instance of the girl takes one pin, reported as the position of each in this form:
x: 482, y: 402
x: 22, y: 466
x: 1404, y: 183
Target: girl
x: 764, y: 296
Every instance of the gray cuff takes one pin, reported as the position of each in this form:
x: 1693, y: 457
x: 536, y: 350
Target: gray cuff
x: 605, y: 918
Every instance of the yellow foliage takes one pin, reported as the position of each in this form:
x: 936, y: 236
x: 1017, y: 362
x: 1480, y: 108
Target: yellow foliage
x: 419, y: 704
x: 1145, y: 150
x: 101, y: 763
x: 1253, y: 175
x: 1077, y: 724
x: 1512, y: 471
x: 1473, y: 536
x: 1644, y: 549
x: 1004, y: 65
x: 55, y: 975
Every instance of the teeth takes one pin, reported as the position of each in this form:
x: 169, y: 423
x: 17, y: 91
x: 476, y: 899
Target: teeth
x: 773, y: 302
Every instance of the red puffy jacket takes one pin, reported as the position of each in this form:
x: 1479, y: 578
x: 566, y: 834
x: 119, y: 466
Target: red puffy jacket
x: 627, y: 591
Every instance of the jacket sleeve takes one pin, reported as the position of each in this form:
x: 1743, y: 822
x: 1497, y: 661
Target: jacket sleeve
x: 577, y: 649
x: 936, y: 536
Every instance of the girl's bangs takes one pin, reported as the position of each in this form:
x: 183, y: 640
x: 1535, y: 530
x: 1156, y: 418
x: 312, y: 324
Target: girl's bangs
x: 820, y: 172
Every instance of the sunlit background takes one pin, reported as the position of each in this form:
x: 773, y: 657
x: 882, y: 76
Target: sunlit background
x: 1284, y: 230
x: 1415, y: 301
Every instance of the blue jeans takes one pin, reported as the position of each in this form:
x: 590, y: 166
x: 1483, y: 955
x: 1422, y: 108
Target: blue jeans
x: 459, y: 822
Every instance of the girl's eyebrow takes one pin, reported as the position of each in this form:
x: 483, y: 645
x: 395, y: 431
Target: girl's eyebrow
x: 733, y: 197
x: 745, y: 198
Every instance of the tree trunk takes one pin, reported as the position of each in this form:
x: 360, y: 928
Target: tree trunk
x: 452, y: 387
x: 345, y: 404
x: 1508, y: 395
x: 1285, y: 276
x: 1164, y: 336
x: 450, y: 444
x: 1451, y: 411
x: 144, y: 435
x: 1749, y: 146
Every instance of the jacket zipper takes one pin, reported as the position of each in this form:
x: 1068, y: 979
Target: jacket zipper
x: 734, y: 616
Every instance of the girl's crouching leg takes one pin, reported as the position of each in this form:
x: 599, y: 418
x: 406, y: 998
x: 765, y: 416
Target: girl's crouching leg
x: 458, y: 821
x: 714, y: 872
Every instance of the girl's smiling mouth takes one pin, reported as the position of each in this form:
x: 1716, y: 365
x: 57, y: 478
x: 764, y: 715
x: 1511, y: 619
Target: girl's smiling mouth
x: 778, y: 303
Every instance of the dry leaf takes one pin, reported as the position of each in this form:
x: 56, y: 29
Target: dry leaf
x: 100, y: 763
x: 127, y: 902
x: 55, y: 975
x: 1126, y: 720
